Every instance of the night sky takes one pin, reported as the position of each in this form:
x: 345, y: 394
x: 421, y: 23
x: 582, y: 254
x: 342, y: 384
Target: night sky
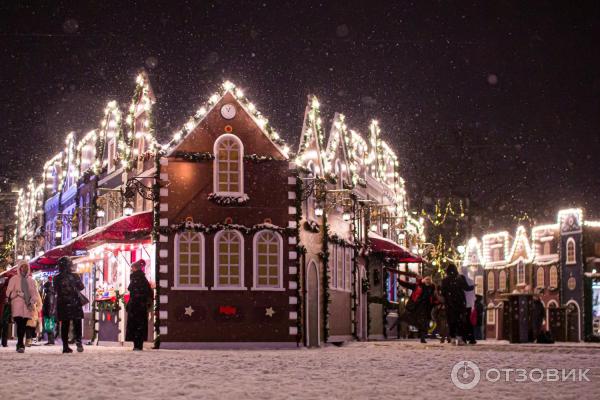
x: 497, y: 103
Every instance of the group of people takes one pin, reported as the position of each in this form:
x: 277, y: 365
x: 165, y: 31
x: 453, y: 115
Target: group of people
x: 61, y: 302
x: 456, y: 310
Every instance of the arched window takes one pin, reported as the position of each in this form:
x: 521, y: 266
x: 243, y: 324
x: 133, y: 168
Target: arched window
x: 502, y: 281
x: 268, y: 261
x: 553, y: 277
x: 229, y: 263
x: 491, y: 281
x: 520, y: 273
x: 189, y: 260
x: 228, y: 169
x: 571, y: 257
x: 491, y: 314
x: 479, y: 285
x: 540, y: 277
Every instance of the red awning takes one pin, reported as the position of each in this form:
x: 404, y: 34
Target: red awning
x: 134, y: 228
x: 392, y: 249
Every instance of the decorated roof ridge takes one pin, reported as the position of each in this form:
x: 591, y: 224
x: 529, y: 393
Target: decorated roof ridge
x: 504, y: 238
x: 473, y: 246
x: 568, y: 211
x: 521, y: 236
x: 592, y: 224
x: 336, y: 144
x: 141, y: 102
x: 312, y: 134
x: 208, y: 106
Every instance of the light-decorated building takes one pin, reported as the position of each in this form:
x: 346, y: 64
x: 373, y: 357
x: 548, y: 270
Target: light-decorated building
x: 245, y: 242
x: 558, y: 261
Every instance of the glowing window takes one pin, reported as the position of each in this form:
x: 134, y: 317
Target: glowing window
x: 268, y: 260
x: 229, y: 266
x: 228, y: 169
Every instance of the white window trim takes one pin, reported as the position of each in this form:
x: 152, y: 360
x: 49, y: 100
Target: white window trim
x: 216, y: 285
x: 202, y: 285
x: 348, y: 251
x: 111, y: 145
x: 521, y: 271
x: 332, y: 266
x: 493, y: 276
x: 568, y: 260
x: 491, y: 312
x: 554, y: 269
x: 479, y: 285
x: 502, y: 282
x: 537, y: 277
x: 216, y: 166
x: 255, y: 286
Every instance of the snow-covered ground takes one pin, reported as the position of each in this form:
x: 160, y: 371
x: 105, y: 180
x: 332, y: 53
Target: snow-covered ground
x: 373, y: 370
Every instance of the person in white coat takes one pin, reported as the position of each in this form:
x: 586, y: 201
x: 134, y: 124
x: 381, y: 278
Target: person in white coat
x: 23, y: 296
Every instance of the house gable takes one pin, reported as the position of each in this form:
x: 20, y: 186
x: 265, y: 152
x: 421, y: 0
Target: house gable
x: 310, y: 151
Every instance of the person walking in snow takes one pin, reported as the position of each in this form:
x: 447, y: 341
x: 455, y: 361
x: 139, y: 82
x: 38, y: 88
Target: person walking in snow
x: 420, y: 302
x: 69, y: 309
x: 454, y: 286
x: 439, y: 315
x: 140, y: 299
x: 470, y: 320
x: 480, y: 310
x: 49, y: 311
x: 23, y: 295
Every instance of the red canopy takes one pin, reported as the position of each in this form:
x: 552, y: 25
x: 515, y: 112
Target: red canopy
x: 392, y: 249
x: 134, y: 228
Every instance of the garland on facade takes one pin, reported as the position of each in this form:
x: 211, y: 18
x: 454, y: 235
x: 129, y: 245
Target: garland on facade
x: 384, y: 298
x: 194, y: 156
x: 326, y: 296
x: 228, y: 200
x: 258, y: 159
x: 311, y: 226
x: 355, y: 274
x: 200, y: 227
x: 340, y: 241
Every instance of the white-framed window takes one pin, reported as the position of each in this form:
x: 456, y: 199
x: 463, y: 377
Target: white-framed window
x: 553, y: 273
x: 348, y: 268
x: 228, y: 167
x: 189, y: 261
x: 546, y: 250
x: 268, y: 261
x: 340, y: 267
x: 520, y: 273
x: 491, y: 282
x: 496, y: 254
x: 479, y: 285
x: 540, y: 277
x: 111, y: 154
x: 571, y: 254
x: 491, y: 314
x: 332, y: 266
x: 502, y: 281
x: 229, y: 260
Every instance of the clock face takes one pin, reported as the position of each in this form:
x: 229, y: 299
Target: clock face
x: 228, y: 111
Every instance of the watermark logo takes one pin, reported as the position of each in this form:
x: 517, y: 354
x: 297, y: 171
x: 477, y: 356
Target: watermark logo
x: 466, y: 375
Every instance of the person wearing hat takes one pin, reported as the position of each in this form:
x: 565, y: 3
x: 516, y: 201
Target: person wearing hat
x: 140, y: 299
x: 69, y: 307
x: 23, y: 297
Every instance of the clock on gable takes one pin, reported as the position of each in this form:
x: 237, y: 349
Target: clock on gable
x: 228, y: 111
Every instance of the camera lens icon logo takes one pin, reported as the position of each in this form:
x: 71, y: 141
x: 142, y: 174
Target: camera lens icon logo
x: 465, y: 375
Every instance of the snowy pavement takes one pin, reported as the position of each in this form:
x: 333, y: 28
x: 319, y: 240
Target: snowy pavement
x: 372, y: 370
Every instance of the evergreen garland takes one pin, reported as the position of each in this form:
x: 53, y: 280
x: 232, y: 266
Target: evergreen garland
x: 258, y: 159
x: 155, y: 241
x: 199, y: 227
x: 194, y: 156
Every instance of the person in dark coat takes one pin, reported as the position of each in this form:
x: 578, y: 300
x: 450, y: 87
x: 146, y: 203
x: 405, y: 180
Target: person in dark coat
x: 538, y: 316
x: 140, y: 299
x: 419, y: 305
x: 439, y: 315
x: 68, y: 303
x: 49, y: 311
x: 454, y: 287
x: 480, y: 309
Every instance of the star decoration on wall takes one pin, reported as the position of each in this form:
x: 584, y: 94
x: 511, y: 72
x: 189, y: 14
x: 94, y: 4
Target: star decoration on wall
x: 189, y: 311
x: 269, y: 312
